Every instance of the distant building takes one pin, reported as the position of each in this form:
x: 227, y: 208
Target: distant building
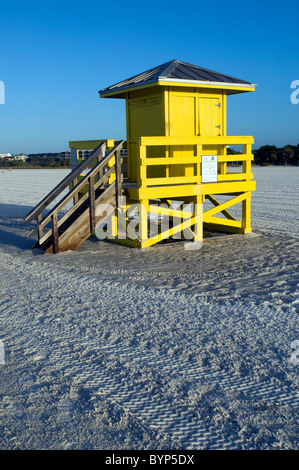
x: 65, y: 155
x: 7, y: 156
x: 36, y: 158
x: 84, y: 153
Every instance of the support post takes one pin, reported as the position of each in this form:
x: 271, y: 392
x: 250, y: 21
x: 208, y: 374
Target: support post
x: 198, y: 164
x: 246, y: 167
x: 55, y: 232
x: 246, y: 214
x: 99, y: 158
x: 141, y: 176
x: 198, y: 228
x: 113, y: 224
x: 92, y: 208
x: 76, y: 197
x: 143, y: 225
x: 223, y: 165
x: 40, y: 229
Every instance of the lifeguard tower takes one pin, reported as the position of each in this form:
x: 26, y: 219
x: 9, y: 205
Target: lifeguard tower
x: 177, y: 161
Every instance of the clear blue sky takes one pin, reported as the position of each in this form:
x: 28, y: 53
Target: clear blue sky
x: 56, y: 55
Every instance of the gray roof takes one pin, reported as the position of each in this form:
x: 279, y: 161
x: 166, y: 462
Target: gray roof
x: 174, y: 70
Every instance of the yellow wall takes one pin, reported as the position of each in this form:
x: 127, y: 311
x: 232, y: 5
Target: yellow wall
x: 172, y: 111
x: 145, y: 117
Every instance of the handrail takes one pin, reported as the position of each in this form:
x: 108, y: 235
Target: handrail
x: 36, y: 211
x: 154, y: 161
x: 60, y: 221
x: 92, y: 172
x: 196, y: 140
x: 69, y: 196
x: 87, y: 179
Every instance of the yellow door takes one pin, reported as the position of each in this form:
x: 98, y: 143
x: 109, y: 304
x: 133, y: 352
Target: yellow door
x: 209, y: 117
x: 182, y: 124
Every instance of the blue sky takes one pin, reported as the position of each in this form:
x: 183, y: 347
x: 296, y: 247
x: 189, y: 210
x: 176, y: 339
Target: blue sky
x: 55, y: 56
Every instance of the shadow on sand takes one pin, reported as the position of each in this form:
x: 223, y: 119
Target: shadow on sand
x: 13, y: 230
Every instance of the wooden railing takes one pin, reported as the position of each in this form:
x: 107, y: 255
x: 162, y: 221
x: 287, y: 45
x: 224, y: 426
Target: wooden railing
x: 103, y: 167
x: 200, y: 146
x: 71, y: 178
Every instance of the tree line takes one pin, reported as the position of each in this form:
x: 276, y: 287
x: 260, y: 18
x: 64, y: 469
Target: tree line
x: 265, y: 155
x: 272, y: 155
x: 37, y: 163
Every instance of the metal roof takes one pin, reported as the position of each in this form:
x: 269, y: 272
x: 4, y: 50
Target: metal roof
x: 175, y: 71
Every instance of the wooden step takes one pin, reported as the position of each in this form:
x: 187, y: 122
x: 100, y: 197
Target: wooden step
x: 77, y: 228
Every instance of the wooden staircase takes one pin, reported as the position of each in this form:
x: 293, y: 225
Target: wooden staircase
x: 64, y: 228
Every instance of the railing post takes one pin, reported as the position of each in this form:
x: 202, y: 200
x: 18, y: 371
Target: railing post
x: 141, y: 176
x: 99, y: 158
x: 92, y: 207
x: 76, y: 197
x: 118, y: 176
x: 143, y: 223
x: 40, y: 229
x: 246, y: 167
x: 246, y: 213
x: 198, y: 228
x: 55, y: 232
x: 222, y: 165
x: 198, y: 164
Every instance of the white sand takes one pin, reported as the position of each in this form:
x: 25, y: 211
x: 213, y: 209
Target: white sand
x: 118, y: 348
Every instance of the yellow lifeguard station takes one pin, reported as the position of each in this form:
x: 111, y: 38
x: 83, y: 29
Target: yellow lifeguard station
x: 177, y: 148
x: 177, y: 167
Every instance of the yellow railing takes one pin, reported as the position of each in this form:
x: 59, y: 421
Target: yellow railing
x: 201, y: 146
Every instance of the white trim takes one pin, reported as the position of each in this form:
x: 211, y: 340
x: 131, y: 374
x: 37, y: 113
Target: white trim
x: 177, y: 80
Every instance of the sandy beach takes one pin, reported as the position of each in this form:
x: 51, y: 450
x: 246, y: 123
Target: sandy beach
x: 111, y: 347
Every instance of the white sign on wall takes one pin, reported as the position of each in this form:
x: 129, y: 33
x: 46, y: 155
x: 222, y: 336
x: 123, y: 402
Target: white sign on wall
x: 209, y: 168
